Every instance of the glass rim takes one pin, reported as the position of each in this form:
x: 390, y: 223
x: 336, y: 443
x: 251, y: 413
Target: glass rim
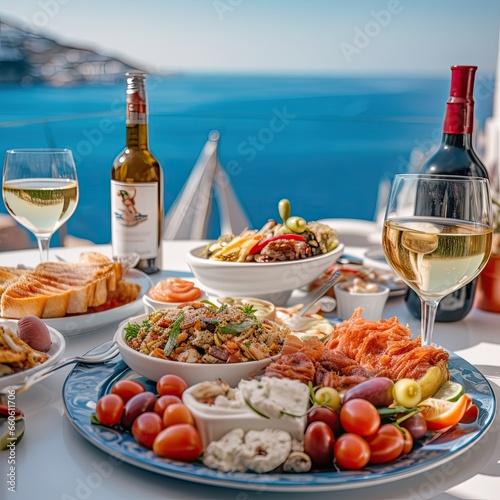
x: 38, y: 151
x: 447, y: 177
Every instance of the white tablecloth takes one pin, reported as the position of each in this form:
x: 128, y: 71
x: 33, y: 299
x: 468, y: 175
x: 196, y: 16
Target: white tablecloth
x: 54, y: 462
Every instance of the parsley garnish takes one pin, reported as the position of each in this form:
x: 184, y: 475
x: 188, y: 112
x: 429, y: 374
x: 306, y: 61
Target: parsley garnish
x: 131, y: 331
x: 248, y: 309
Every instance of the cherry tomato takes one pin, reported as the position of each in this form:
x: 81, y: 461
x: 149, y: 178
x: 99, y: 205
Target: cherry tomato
x: 327, y: 415
x: 178, y: 442
x: 171, y: 385
x: 318, y: 443
x: 163, y: 401
x: 408, y: 445
x: 109, y: 409
x: 146, y: 427
x: 126, y: 389
x: 177, y: 413
x: 386, y: 444
x: 327, y: 396
x: 351, y: 451
x: 359, y: 416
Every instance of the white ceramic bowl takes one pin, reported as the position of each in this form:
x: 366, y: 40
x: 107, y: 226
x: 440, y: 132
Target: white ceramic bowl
x: 372, y: 303
x: 151, y: 304
x: 272, y: 281
x: 213, y: 422
x: 192, y: 373
x: 55, y: 352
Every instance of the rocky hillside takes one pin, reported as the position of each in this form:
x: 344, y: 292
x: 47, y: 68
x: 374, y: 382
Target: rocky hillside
x: 28, y: 58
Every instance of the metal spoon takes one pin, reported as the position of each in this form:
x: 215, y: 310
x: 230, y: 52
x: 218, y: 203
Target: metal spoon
x: 319, y: 292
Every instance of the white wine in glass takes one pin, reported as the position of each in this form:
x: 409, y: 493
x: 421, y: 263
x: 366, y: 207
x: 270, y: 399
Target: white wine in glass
x: 437, y: 253
x: 40, y: 190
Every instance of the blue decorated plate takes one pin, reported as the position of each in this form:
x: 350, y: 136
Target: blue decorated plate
x: 86, y: 383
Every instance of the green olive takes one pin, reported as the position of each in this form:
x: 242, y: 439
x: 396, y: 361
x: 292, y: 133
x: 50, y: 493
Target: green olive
x: 296, y: 224
x: 284, y: 209
x: 284, y: 229
x: 407, y: 392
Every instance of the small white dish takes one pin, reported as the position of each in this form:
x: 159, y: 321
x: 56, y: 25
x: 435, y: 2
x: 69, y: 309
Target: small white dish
x: 372, y: 303
x: 151, y: 305
x: 193, y: 373
x: 55, y: 353
x: 213, y: 421
x: 263, y: 308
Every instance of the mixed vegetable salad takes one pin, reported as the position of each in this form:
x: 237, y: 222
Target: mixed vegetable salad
x: 292, y: 239
x: 202, y: 332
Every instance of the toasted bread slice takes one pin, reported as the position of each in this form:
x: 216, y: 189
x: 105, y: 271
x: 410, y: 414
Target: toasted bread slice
x: 125, y: 292
x: 12, y: 272
x: 32, y: 296
x: 99, y: 259
x: 8, y: 275
x: 55, y: 289
x: 90, y: 283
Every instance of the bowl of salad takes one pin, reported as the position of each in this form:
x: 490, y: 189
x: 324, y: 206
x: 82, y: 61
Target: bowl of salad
x: 200, y: 341
x: 268, y: 263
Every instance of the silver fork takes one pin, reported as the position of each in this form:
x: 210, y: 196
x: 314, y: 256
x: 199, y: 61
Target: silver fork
x: 109, y: 352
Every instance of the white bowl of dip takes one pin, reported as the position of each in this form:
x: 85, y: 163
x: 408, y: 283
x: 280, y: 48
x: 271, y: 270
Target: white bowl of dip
x: 270, y: 396
x: 158, y: 296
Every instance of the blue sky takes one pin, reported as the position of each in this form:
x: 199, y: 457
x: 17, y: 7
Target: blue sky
x: 276, y: 36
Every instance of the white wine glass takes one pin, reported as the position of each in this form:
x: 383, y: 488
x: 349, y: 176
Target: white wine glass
x: 40, y: 190
x: 437, y: 235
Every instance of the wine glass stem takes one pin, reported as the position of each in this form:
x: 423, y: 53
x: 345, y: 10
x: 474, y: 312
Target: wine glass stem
x: 43, y: 245
x: 429, y: 310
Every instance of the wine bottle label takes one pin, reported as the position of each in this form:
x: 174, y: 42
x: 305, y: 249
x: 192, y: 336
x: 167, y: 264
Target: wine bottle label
x: 134, y: 218
x: 136, y: 110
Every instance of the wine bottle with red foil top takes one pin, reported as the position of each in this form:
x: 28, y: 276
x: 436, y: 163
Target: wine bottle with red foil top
x: 137, y: 186
x: 455, y: 156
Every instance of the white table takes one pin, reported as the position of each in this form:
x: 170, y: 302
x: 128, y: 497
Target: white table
x: 54, y: 461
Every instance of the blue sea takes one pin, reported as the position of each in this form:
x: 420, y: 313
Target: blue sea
x: 325, y: 143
